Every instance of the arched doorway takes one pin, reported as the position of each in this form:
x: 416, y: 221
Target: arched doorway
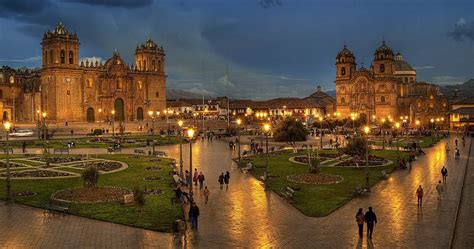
x: 119, y: 110
x: 90, y: 115
x: 139, y: 113
x: 5, y: 116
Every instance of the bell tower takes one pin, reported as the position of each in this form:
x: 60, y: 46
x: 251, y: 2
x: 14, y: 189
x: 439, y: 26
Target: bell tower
x: 149, y: 57
x: 60, y: 48
x: 345, y: 64
x: 383, y: 60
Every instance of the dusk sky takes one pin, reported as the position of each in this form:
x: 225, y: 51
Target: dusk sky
x: 273, y: 48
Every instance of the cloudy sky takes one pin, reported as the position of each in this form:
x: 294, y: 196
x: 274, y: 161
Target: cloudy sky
x: 270, y: 48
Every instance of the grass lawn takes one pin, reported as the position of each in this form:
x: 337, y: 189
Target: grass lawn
x: 85, y: 142
x: 158, y: 213
x: 319, y: 200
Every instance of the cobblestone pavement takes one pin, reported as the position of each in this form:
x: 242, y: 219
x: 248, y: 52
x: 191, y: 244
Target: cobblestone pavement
x: 246, y: 216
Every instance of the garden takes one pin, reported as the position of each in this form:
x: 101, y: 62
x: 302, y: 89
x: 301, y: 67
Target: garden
x: 95, y: 187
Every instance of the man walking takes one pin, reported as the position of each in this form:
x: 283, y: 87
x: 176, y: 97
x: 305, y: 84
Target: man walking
x: 444, y: 172
x: 221, y: 180
x: 193, y: 215
x: 206, y: 194
x: 360, y: 218
x: 370, y: 219
x: 419, y: 195
x: 440, y: 190
x: 226, y: 179
x: 201, y: 181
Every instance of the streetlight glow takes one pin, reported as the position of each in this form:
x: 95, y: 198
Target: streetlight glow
x: 366, y: 129
x: 266, y: 127
x: 190, y: 133
x: 397, y: 125
x: 239, y: 121
x: 44, y: 114
x: 180, y: 123
x: 150, y: 113
x: 7, y: 125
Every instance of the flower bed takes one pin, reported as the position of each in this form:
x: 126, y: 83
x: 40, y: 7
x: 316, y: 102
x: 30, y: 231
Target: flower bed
x: 322, y: 157
x: 360, y: 163
x: 36, y: 173
x: 12, y: 165
x: 60, y: 159
x: 91, y: 195
x: 323, y: 179
x: 153, y: 191
x: 152, y: 168
x: 152, y: 178
x: 101, y: 166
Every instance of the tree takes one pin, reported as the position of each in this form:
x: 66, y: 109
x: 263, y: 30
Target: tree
x: 356, y: 147
x: 290, y: 131
x: 139, y: 197
x: 90, y: 177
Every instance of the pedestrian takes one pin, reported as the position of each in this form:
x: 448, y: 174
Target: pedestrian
x: 23, y: 146
x: 440, y: 190
x: 201, y: 180
x: 456, y: 142
x: 360, y: 218
x: 72, y: 132
x: 444, y: 172
x: 187, y: 178
x: 196, y: 176
x: 370, y: 219
x: 221, y: 180
x: 193, y: 215
x: 206, y: 194
x: 226, y: 179
x: 419, y: 195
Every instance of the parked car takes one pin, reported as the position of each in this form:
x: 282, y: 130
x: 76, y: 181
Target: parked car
x: 22, y: 133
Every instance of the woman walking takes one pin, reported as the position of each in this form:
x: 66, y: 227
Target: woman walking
x: 206, y: 194
x: 221, y: 180
x: 360, y: 219
x: 226, y: 179
x: 196, y: 176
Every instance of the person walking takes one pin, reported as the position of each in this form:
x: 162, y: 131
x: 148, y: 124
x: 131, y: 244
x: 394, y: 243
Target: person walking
x: 419, y: 195
x: 196, y: 176
x: 226, y: 179
x: 360, y: 219
x: 193, y: 215
x: 201, y: 180
x: 187, y: 178
x: 23, y: 147
x: 371, y: 220
x: 440, y: 190
x: 206, y: 194
x: 221, y: 180
x: 444, y: 172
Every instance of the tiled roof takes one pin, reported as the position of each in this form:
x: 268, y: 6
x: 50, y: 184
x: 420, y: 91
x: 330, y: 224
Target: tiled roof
x: 402, y: 66
x: 464, y: 110
x: 465, y: 101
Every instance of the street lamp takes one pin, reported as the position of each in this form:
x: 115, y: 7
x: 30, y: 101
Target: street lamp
x: 366, y: 131
x: 397, y: 125
x: 190, y: 134
x: 45, y: 135
x: 180, y: 124
x: 266, y: 129
x: 100, y: 119
x: 8, y: 126
x: 113, y: 123
x: 383, y: 133
x: 150, y: 113
x: 321, y: 131
x: 238, y: 121
x: 38, y: 122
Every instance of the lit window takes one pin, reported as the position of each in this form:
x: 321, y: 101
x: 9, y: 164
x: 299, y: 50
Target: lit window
x: 119, y: 84
x: 140, y: 85
x: 89, y: 83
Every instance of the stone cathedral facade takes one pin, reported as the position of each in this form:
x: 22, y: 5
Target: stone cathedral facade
x: 387, y: 89
x: 70, y: 90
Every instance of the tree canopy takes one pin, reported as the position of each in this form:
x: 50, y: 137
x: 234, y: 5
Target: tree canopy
x: 290, y: 131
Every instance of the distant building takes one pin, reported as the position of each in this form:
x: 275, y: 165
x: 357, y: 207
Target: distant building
x: 387, y: 89
x: 462, y: 113
x: 68, y: 89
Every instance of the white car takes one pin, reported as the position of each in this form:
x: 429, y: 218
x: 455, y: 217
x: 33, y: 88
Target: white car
x: 22, y: 133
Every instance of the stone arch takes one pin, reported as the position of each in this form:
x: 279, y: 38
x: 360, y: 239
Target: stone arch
x: 71, y: 57
x: 5, y: 116
x: 119, y: 107
x: 139, y: 113
x: 62, y: 56
x: 90, y: 115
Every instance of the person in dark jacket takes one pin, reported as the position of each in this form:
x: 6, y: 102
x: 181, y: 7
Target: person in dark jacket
x: 370, y: 219
x: 193, y: 215
x: 221, y: 180
x: 444, y: 172
x: 226, y: 179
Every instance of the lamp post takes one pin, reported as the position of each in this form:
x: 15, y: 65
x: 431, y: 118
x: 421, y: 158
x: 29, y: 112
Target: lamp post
x: 383, y: 133
x: 45, y: 135
x: 266, y: 129
x: 150, y: 113
x: 321, y: 132
x: 180, y: 124
x: 7, y: 126
x: 239, y: 121
x: 113, y: 123
x: 190, y: 134
x: 38, y: 122
x: 397, y: 125
x: 100, y: 119
x: 367, y: 131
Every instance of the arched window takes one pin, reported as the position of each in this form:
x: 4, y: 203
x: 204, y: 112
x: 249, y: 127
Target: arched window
x: 90, y: 115
x: 343, y: 100
x: 153, y: 65
x: 343, y: 71
x: 406, y: 80
x: 342, y: 60
x: 139, y: 85
x: 382, y: 68
x: 139, y: 113
x: 51, y: 57
x: 71, y: 57
x: 119, y: 84
x: 382, y: 99
x: 89, y: 83
x: 63, y: 57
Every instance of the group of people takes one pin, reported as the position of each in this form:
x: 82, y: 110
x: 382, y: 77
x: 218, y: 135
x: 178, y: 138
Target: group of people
x: 439, y: 188
x: 368, y: 217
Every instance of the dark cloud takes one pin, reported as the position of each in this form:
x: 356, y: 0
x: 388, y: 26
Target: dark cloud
x: 22, y: 7
x: 269, y: 3
x: 463, y: 30
x: 115, y: 3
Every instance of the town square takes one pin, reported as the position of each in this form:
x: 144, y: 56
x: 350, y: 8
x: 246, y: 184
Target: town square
x: 246, y: 124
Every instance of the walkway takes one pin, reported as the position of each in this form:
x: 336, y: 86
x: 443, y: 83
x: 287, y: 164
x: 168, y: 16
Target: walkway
x: 246, y: 216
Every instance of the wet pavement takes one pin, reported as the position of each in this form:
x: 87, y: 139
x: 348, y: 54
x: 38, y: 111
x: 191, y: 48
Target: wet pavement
x: 246, y: 216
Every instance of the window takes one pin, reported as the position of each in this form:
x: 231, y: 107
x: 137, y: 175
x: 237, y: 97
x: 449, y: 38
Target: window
x: 153, y: 65
x: 343, y: 100
x: 382, y: 68
x: 139, y: 85
x: 159, y: 66
x: 406, y: 80
x: 343, y: 71
x: 144, y: 65
x: 68, y: 92
x: 139, y: 65
x: 157, y: 94
x: 382, y: 99
x: 51, y: 57
x: 63, y: 56
x: 119, y: 84
x: 89, y: 83
x: 71, y: 57
x: 381, y: 57
x: 412, y: 80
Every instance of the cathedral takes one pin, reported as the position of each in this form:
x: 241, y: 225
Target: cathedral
x: 70, y: 90
x: 388, y: 89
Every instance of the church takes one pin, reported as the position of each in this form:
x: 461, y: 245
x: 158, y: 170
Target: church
x: 388, y: 89
x: 70, y: 90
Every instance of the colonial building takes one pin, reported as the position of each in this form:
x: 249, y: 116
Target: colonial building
x: 68, y: 90
x: 462, y: 114
x: 387, y: 89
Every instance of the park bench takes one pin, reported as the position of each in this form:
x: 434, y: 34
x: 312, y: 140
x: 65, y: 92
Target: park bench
x: 61, y: 150
x: 288, y: 193
x: 159, y: 154
x: 384, y: 175
x: 8, y: 150
x: 57, y: 206
x: 139, y: 152
x: 361, y: 191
